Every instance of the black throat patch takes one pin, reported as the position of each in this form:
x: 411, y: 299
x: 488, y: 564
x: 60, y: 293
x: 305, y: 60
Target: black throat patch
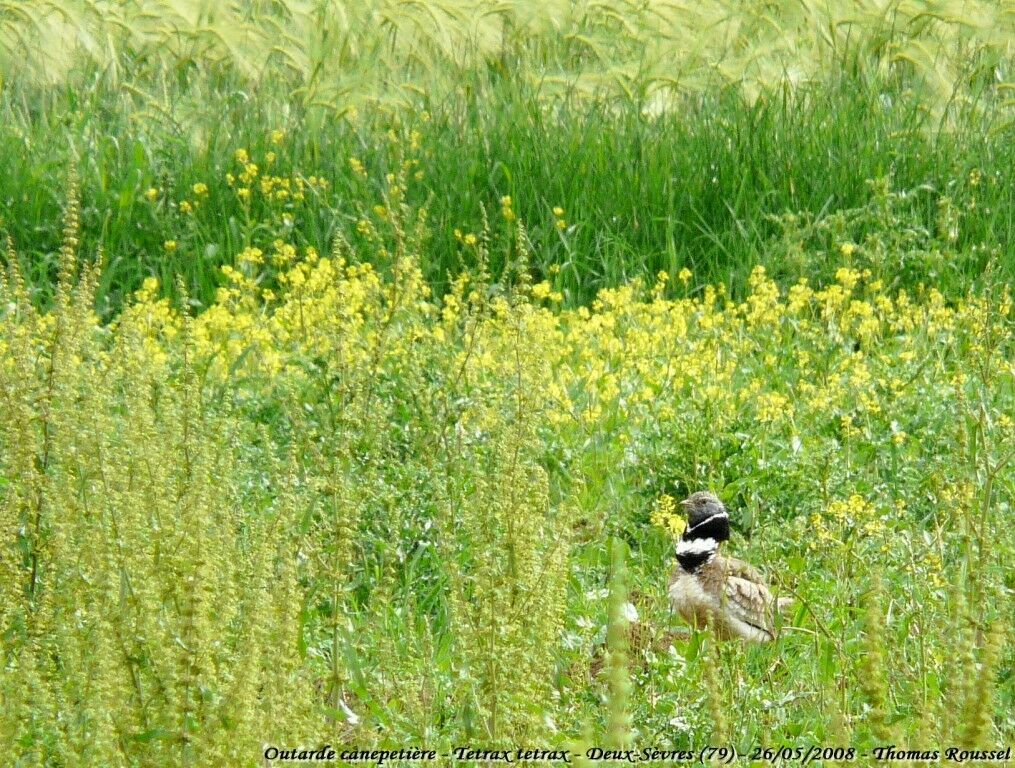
x: 692, y: 561
x: 715, y: 527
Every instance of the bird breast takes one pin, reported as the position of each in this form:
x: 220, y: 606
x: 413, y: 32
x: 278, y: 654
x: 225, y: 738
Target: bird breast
x: 690, y: 600
x: 703, y: 599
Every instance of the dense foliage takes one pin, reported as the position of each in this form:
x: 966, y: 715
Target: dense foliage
x: 331, y: 507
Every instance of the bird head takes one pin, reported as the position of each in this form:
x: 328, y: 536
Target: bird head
x: 706, y: 517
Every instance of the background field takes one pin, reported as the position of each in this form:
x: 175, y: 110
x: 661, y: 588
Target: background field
x: 350, y: 378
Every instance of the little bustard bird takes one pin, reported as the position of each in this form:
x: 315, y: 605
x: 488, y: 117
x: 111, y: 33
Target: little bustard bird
x: 723, y: 593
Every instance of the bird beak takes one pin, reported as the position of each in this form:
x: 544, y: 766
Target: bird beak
x: 685, y: 503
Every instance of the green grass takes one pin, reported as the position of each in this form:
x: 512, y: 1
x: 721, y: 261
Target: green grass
x: 703, y: 187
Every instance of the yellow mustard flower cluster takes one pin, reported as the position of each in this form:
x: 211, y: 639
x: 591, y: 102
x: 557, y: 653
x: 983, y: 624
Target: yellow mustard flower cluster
x: 186, y: 205
x: 839, y: 367
x: 272, y: 188
x: 854, y: 515
x: 665, y: 516
x: 507, y: 209
x: 467, y: 238
x: 558, y: 218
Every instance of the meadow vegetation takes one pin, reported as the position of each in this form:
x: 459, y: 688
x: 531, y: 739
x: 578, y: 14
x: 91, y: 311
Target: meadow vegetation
x: 338, y: 414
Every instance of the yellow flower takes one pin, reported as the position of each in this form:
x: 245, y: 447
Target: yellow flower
x: 152, y: 194
x: 200, y: 189
x: 771, y: 407
x: 243, y: 193
x: 847, y: 277
x: 251, y: 256
x: 664, y: 515
x: 847, y: 249
x: 186, y: 206
x: 506, y: 210
x: 470, y: 239
x: 277, y: 136
x: 558, y: 211
x: 685, y: 276
x: 169, y: 245
x: 241, y: 156
x: 270, y: 158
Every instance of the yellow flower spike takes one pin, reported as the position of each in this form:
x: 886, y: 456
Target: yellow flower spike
x: 685, y: 276
x: 277, y: 136
x: 847, y: 249
x: 243, y: 193
x: 241, y: 156
x: 200, y: 189
x: 470, y: 239
x: 186, y: 206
